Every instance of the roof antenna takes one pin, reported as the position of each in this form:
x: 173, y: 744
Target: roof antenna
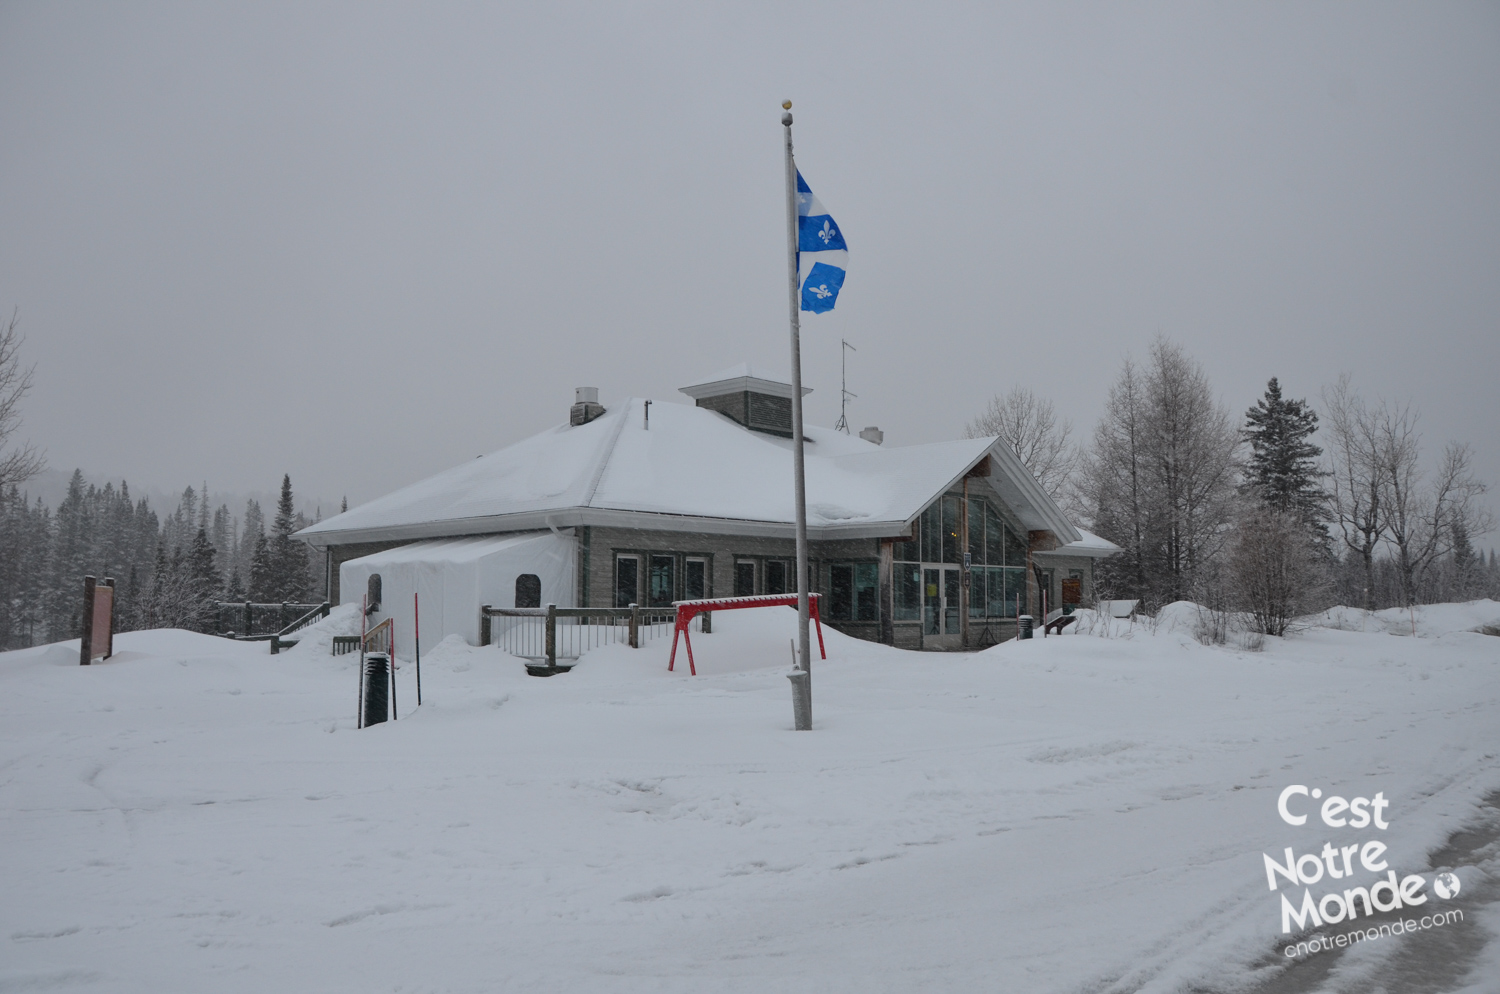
x: 648, y: 415
x: 844, y: 395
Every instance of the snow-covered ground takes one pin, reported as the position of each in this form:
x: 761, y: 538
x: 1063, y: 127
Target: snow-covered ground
x: 1083, y: 813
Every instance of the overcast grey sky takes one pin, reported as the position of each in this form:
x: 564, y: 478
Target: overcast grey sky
x: 362, y: 243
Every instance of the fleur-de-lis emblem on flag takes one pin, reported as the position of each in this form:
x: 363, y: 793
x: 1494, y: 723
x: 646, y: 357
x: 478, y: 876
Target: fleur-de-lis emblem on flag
x: 828, y: 233
x: 822, y: 292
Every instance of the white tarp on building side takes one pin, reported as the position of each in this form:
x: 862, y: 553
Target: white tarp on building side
x: 453, y: 578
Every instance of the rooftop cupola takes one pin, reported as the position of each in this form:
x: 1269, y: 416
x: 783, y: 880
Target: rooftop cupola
x: 586, y: 406
x: 759, y: 403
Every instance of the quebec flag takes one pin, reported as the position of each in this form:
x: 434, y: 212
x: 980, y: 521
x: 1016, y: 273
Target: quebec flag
x: 822, y: 256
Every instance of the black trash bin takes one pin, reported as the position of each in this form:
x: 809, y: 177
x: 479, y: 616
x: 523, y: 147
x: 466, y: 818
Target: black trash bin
x: 1023, y: 627
x: 377, y: 688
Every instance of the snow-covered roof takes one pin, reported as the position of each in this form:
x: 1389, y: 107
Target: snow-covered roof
x: 739, y: 378
x: 1090, y: 545
x: 693, y: 469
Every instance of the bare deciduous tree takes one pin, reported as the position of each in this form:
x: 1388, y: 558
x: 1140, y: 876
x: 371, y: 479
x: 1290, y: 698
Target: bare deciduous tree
x: 1160, y: 477
x: 20, y: 462
x: 1383, y: 494
x: 1195, y: 440
x: 1029, y: 424
x: 1112, y: 481
x: 1272, y: 567
x: 1421, y: 510
x: 1355, y: 470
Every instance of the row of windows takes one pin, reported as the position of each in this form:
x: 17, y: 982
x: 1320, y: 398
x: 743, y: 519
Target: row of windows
x: 939, y: 536
x: 661, y: 579
x: 853, y: 588
x: 662, y: 571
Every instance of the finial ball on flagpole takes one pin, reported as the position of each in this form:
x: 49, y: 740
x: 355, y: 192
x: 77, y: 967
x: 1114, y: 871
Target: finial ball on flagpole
x: 786, y: 105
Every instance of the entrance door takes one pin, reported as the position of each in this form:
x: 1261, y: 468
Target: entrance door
x: 932, y: 602
x: 940, y: 603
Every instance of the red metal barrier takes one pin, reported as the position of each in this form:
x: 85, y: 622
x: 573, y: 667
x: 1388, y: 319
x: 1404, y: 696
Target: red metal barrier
x: 687, y: 610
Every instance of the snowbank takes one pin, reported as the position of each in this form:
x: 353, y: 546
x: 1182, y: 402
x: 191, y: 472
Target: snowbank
x: 1056, y: 815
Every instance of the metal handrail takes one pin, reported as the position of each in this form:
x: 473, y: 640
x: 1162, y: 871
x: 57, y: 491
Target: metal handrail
x: 635, y: 615
x: 317, y: 613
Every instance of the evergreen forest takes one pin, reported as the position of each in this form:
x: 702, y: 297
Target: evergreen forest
x: 171, y: 570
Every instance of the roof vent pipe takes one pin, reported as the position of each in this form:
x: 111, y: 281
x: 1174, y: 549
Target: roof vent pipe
x: 585, y: 406
x: 873, y: 434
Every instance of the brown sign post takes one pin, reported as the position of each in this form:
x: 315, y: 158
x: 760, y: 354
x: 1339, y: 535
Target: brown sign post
x: 98, y: 640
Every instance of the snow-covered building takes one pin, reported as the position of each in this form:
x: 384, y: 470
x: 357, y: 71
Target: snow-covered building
x: 651, y: 503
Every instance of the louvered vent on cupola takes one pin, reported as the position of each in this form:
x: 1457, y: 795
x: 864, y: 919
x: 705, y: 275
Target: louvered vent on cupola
x: 758, y: 403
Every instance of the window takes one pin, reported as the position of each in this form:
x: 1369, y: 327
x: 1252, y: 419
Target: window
x: 977, y: 581
x: 695, y: 579
x: 777, y: 574
x: 976, y: 529
x: 867, y: 592
x: 908, y: 592
x: 627, y: 580
x: 840, y: 592
x: 744, y: 578
x: 932, y: 532
x: 854, y: 592
x: 907, y: 552
x: 663, y: 581
x: 1015, y: 549
x: 528, y: 590
x: 951, y: 551
x: 994, y: 537
x: 1001, y: 588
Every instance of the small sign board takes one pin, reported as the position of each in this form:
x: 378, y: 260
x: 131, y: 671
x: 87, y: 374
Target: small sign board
x: 1072, y: 590
x: 98, y: 641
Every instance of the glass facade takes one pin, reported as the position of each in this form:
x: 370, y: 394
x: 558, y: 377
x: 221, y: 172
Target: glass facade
x: 997, y: 554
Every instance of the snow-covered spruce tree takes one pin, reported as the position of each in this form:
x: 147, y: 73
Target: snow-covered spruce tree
x: 288, y: 556
x: 72, y: 540
x: 172, y: 600
x: 1465, y: 579
x: 1282, y: 471
x: 205, y: 580
x: 250, y: 537
x: 262, y: 574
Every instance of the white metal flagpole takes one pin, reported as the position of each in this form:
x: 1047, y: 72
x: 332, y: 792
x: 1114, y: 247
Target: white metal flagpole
x: 804, y: 643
